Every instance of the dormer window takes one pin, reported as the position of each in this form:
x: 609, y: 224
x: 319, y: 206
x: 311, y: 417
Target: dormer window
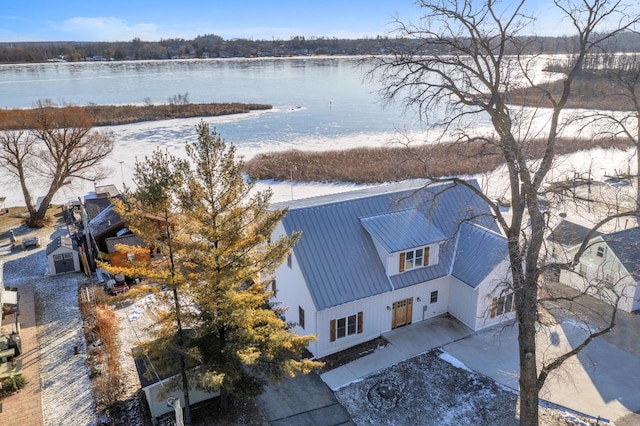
x: 414, y: 259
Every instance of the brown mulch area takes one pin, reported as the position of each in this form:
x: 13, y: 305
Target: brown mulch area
x: 344, y: 357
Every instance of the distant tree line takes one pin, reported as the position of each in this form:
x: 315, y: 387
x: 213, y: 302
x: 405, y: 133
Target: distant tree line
x: 213, y: 46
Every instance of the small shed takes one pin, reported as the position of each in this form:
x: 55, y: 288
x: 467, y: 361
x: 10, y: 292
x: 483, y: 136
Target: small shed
x: 153, y: 384
x: 63, y: 256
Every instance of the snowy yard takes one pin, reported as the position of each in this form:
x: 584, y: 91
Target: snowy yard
x: 432, y: 389
x: 66, y: 389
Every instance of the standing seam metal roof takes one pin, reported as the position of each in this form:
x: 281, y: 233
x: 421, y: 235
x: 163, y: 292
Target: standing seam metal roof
x: 402, y: 230
x: 478, y: 252
x: 337, y: 256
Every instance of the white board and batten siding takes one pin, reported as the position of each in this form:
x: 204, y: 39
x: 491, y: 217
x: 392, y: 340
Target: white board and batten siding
x: 492, y: 287
x: 376, y: 317
x: 292, y: 293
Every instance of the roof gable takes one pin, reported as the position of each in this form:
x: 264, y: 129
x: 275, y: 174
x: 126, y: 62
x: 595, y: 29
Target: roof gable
x: 64, y: 242
x: 401, y: 230
x: 626, y: 246
x: 336, y: 255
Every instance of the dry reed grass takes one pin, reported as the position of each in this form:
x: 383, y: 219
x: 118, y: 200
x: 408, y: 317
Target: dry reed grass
x: 108, y: 115
x: 101, y: 333
x: 375, y: 165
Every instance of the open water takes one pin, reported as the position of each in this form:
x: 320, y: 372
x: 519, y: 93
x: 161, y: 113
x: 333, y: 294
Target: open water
x: 319, y: 104
x: 324, y: 97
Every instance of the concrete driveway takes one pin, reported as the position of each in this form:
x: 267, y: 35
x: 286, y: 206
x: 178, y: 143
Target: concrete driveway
x: 301, y: 401
x: 602, y: 381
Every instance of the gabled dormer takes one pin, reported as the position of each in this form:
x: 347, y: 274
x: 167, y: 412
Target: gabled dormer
x: 405, y: 240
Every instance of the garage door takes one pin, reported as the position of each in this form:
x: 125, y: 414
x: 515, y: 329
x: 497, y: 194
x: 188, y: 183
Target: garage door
x: 63, y: 263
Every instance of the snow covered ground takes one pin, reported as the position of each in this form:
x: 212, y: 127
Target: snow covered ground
x: 66, y: 389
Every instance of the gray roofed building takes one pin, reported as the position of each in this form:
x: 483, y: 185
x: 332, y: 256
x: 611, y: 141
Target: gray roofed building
x: 128, y: 240
x: 626, y: 246
x: 64, y: 242
x: 608, y: 268
x: 336, y: 253
x: 379, y: 258
x: 105, y: 222
x: 570, y: 234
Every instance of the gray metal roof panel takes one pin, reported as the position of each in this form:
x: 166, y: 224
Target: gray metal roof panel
x: 570, y: 234
x: 478, y: 252
x: 402, y: 230
x: 336, y: 254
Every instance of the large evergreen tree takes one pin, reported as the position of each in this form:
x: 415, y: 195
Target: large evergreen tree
x: 242, y: 338
x: 211, y: 233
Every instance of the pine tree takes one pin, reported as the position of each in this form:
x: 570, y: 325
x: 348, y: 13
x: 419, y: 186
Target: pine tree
x: 242, y: 338
x: 150, y: 212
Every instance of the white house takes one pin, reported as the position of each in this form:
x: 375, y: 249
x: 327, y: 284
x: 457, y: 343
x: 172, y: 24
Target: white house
x: 609, y: 268
x: 372, y: 260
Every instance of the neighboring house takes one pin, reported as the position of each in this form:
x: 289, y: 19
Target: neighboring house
x: 372, y: 260
x: 565, y: 236
x: 100, y: 199
x: 121, y: 259
x: 609, y: 268
x: 106, y: 224
x: 63, y: 256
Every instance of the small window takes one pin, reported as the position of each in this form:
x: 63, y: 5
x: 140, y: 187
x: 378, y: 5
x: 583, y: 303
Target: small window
x: 434, y: 297
x: 57, y: 257
x: 502, y: 305
x: 341, y: 327
x: 68, y: 256
x: 131, y: 257
x: 348, y: 326
x: 301, y: 316
x: 289, y: 261
x: 600, y: 252
x: 414, y: 259
x: 351, y: 325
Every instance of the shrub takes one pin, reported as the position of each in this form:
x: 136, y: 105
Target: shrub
x: 13, y: 384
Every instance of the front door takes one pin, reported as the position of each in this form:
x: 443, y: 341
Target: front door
x: 401, y: 314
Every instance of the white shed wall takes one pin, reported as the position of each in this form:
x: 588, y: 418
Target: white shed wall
x: 160, y: 407
x: 62, y: 251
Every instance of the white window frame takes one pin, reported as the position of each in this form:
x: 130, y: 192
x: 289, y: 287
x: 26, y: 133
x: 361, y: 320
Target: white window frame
x: 413, y: 259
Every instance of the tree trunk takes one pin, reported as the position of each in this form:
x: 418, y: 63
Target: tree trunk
x: 527, y: 345
x: 638, y: 165
x: 183, y: 367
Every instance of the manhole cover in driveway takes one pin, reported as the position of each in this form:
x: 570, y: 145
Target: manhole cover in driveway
x: 384, y: 395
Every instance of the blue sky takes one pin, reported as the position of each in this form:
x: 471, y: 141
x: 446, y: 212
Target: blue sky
x: 87, y: 20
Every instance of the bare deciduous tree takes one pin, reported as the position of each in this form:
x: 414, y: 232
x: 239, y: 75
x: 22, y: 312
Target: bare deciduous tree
x: 624, y: 72
x: 463, y: 59
x: 58, y: 147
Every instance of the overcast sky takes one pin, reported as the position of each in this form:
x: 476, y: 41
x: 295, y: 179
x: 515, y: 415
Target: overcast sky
x: 119, y: 20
